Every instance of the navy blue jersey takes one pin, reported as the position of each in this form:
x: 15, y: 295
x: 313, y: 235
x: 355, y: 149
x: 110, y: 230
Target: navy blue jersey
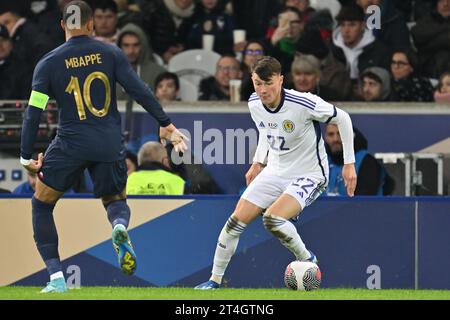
x: 81, y: 76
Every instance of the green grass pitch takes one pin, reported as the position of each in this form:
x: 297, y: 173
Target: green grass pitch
x: 151, y: 293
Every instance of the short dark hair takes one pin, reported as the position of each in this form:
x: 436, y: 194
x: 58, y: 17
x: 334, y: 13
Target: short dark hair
x: 168, y: 76
x: 410, y: 54
x: 105, y: 5
x: 371, y: 76
x: 266, y: 67
x: 85, y: 11
x: 351, y: 12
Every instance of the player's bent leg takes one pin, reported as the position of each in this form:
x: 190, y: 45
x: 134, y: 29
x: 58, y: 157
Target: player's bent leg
x: 276, y: 221
x: 227, y: 243
x: 46, y: 235
x: 119, y: 217
x: 117, y: 209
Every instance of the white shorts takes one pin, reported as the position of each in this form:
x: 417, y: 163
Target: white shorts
x: 267, y: 187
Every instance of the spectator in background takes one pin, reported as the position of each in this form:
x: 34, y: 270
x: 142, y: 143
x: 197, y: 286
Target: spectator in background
x: 28, y: 186
x: 167, y: 87
x: 167, y: 23
x: 134, y: 43
x: 153, y: 175
x: 253, y: 51
x: 210, y: 18
x: 218, y: 87
x: 376, y: 84
x: 442, y: 94
x: 305, y: 73
x: 4, y: 190
x: 321, y: 20
x: 198, y: 179
x: 29, y: 43
x: 128, y: 12
x: 47, y: 15
x: 405, y: 86
x: 372, y: 177
x: 255, y: 16
x: 284, y: 38
x: 394, y: 32
x: 15, y: 73
x: 105, y: 21
x: 301, y: 5
x: 431, y: 38
x: 356, y: 46
x: 334, y: 80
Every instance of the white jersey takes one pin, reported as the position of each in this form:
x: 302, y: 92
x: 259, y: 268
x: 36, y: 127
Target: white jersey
x: 291, y: 134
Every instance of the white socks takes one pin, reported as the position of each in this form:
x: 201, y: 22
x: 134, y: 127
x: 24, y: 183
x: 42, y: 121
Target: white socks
x: 286, y: 232
x: 226, y: 246
x: 56, y: 275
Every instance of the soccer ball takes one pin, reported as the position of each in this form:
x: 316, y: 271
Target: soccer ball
x: 302, y: 275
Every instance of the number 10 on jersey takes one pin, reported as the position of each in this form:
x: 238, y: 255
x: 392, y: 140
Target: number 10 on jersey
x: 74, y: 87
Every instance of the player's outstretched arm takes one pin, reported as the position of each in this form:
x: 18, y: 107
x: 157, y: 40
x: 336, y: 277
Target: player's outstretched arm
x: 137, y: 89
x: 140, y: 92
x: 344, y: 123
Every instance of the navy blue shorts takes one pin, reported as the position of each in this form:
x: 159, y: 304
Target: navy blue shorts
x: 60, y: 172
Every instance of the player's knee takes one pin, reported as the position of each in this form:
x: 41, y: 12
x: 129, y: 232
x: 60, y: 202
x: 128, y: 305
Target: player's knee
x: 234, y: 227
x: 107, y: 200
x: 272, y: 223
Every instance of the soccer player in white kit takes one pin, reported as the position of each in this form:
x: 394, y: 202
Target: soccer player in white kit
x: 290, y: 166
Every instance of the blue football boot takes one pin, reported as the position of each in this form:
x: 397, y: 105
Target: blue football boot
x: 208, y: 285
x: 124, y: 248
x: 55, y: 286
x: 312, y: 258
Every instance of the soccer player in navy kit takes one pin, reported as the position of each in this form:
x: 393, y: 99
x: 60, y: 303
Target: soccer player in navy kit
x: 81, y: 75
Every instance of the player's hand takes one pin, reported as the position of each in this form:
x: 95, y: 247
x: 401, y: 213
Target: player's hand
x: 35, y: 165
x: 172, y: 134
x: 254, y: 170
x: 349, y: 175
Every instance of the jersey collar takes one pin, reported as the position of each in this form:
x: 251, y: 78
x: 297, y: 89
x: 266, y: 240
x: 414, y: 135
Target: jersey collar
x: 279, y: 106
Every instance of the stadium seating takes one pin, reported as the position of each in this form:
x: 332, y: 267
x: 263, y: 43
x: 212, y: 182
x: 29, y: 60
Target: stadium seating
x: 194, y: 65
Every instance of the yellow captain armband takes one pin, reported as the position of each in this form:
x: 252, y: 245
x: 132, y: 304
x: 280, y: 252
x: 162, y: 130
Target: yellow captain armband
x: 38, y: 100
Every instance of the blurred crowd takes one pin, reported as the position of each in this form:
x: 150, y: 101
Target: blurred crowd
x: 341, y: 50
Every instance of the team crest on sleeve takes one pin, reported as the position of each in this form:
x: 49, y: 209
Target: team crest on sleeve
x: 288, y: 126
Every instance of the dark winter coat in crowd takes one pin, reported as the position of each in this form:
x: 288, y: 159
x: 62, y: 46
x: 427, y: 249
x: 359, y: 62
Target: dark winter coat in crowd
x: 431, y: 38
x: 374, y: 54
x: 47, y: 15
x: 210, y: 90
x: 159, y: 25
x: 394, y: 32
x: 413, y: 89
x: 15, y: 78
x: 217, y: 23
x: 30, y: 44
x: 255, y: 16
